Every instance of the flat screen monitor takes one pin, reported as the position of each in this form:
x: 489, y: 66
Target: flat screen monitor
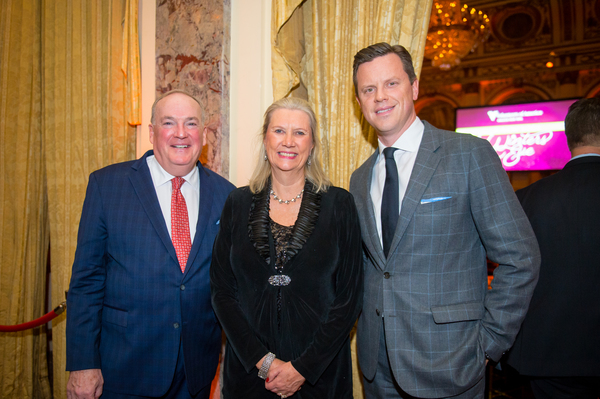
x: 527, y: 137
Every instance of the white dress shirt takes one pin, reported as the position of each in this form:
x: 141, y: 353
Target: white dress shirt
x: 190, y: 190
x: 589, y: 154
x: 408, y: 146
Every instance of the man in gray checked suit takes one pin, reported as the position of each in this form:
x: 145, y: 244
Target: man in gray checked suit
x: 431, y: 208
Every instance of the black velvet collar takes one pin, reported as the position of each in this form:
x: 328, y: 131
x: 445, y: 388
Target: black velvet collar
x: 259, y: 221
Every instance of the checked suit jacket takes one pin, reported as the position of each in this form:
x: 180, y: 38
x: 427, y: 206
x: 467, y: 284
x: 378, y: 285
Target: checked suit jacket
x: 440, y: 319
x: 129, y: 305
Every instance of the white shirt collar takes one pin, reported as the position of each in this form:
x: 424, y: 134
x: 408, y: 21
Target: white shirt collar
x: 589, y: 154
x: 160, y: 176
x: 410, y: 140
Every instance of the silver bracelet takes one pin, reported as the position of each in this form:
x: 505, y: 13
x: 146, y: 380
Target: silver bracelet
x: 264, y: 368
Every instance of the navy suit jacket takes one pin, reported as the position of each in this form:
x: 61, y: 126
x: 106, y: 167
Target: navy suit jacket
x: 559, y: 334
x: 129, y: 305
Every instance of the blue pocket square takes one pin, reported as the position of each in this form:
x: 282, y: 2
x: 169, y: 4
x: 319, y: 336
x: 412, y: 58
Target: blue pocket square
x: 436, y: 199
x: 218, y: 222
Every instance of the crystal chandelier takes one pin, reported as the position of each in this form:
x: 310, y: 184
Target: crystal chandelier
x: 453, y: 32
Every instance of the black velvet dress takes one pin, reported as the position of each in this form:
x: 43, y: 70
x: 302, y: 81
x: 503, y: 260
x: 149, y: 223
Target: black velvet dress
x: 307, y: 321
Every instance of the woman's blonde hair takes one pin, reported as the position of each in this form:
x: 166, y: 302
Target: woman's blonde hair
x: 313, y: 172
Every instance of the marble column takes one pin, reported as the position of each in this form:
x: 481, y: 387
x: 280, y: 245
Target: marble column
x: 192, y: 54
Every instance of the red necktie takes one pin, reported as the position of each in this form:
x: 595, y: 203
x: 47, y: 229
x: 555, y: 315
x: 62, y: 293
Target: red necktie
x: 180, y: 223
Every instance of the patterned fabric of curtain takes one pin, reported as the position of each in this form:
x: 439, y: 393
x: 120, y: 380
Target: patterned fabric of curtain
x: 23, y: 202
x: 314, y: 42
x: 64, y: 106
x: 85, y: 124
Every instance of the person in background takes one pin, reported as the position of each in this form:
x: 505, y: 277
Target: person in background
x: 558, y: 342
x: 286, y: 273
x: 140, y: 323
x: 432, y: 204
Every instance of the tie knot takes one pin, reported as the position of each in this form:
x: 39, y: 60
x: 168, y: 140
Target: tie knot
x: 177, y: 182
x: 388, y: 152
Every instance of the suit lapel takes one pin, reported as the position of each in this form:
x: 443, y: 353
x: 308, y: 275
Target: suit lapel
x: 206, y: 205
x: 371, y: 238
x: 144, y: 188
x: 425, y: 166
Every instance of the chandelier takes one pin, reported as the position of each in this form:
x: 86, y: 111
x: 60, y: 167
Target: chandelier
x: 453, y: 32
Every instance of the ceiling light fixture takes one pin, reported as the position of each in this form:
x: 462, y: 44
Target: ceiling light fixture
x: 454, y: 31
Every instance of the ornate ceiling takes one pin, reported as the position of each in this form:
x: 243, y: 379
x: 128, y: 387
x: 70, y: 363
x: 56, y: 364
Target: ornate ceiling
x: 510, y: 67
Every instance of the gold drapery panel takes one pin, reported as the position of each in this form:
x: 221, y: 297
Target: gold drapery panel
x: 130, y: 63
x: 287, y: 49
x: 23, y: 207
x: 314, y: 42
x: 63, y: 114
x: 85, y: 125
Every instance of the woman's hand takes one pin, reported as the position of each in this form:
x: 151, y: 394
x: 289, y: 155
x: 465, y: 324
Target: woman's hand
x: 283, y: 379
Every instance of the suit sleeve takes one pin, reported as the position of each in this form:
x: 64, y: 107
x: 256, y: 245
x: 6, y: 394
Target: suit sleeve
x: 509, y: 241
x: 86, y: 290
x: 224, y: 292
x: 335, y: 328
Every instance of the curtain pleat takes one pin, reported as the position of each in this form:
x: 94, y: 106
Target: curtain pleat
x: 23, y: 202
x: 62, y: 115
x: 314, y: 43
x: 85, y: 124
x: 287, y: 48
x: 318, y: 59
x: 130, y: 62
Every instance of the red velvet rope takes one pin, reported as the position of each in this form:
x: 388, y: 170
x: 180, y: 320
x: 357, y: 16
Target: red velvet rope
x: 37, y: 322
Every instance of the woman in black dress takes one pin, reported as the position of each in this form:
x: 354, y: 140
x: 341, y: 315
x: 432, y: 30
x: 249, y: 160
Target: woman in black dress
x: 287, y: 273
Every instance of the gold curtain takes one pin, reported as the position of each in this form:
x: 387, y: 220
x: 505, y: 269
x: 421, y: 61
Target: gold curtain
x: 85, y: 124
x: 23, y: 207
x: 314, y: 42
x: 64, y: 106
x: 287, y: 48
x: 130, y: 63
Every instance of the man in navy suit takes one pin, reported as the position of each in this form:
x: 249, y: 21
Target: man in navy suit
x: 558, y: 342
x: 432, y: 204
x: 140, y: 323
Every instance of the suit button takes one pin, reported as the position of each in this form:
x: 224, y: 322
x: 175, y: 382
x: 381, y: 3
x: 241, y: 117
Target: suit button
x: 182, y: 287
x: 377, y: 312
x: 176, y: 325
x: 386, y: 275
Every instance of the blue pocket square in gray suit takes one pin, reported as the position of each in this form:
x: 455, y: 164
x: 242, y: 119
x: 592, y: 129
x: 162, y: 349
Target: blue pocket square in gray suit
x: 436, y: 199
